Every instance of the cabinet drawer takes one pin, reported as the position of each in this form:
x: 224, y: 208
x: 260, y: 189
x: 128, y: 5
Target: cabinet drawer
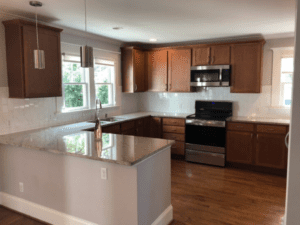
x: 173, y: 129
x: 178, y: 148
x: 114, y: 129
x: 139, y: 122
x: 271, y: 129
x: 127, y: 125
x: 176, y: 137
x: 174, y: 122
x: 240, y: 126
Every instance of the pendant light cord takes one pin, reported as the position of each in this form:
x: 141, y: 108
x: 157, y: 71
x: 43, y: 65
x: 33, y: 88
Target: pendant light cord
x: 37, y: 31
x: 85, y: 21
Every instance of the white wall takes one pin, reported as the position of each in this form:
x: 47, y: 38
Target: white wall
x: 25, y: 114
x: 293, y: 174
x: 244, y: 104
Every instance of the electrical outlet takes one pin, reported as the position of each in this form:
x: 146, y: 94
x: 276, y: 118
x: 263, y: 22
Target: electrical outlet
x: 104, y: 173
x: 21, y: 186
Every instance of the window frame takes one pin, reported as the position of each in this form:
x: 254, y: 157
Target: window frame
x: 86, y: 83
x: 277, y: 99
x: 101, y: 61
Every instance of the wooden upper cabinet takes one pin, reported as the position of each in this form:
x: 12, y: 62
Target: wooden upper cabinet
x: 201, y: 56
x: 220, y: 55
x: 133, y: 70
x: 246, y: 67
x: 157, y: 70
x: 212, y: 55
x: 179, y: 66
x: 24, y: 80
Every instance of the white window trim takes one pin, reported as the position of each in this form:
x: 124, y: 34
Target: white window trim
x: 113, y: 79
x: 278, y: 54
x: 91, y: 93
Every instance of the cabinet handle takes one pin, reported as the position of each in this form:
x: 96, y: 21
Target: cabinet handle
x: 212, y: 60
x: 169, y: 86
x: 251, y: 136
x: 135, y: 89
x: 166, y: 87
x: 286, y: 140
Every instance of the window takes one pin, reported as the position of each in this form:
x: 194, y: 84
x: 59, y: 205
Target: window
x: 286, y: 80
x: 282, y: 77
x: 104, y: 71
x: 75, y: 85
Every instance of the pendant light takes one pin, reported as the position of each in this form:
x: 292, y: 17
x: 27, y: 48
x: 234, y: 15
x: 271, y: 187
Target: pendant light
x: 86, y: 52
x: 39, y: 55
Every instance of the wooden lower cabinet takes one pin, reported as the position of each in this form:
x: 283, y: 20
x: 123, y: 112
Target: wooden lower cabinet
x: 174, y: 129
x: 239, y: 147
x: 263, y: 147
x: 271, y: 151
x: 113, y: 129
x: 156, y: 127
x: 129, y: 132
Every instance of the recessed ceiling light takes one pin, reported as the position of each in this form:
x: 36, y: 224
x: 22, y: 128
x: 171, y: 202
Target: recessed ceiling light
x: 153, y: 39
x: 117, y: 28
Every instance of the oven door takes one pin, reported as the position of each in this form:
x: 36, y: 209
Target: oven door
x: 205, y: 135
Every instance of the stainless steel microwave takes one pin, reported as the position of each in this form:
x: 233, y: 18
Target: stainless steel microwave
x: 210, y: 76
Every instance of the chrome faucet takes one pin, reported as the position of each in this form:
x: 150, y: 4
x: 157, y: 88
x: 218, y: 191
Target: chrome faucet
x: 100, y: 107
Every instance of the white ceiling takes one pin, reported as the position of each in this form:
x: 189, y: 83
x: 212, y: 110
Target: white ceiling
x: 166, y: 20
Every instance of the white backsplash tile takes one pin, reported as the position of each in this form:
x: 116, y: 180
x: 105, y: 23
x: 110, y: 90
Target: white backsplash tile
x: 26, y: 114
x: 249, y: 105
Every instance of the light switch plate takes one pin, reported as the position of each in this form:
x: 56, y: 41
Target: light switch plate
x: 104, y: 173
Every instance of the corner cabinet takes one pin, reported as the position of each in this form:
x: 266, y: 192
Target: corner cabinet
x: 246, y: 67
x: 24, y: 80
x: 133, y: 70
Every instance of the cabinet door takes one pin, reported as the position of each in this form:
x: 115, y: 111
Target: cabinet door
x: 220, y: 55
x: 271, y: 151
x: 45, y: 82
x: 157, y: 70
x: 156, y: 127
x: 239, y: 147
x: 140, y: 131
x: 201, y: 56
x: 246, y: 63
x: 138, y: 70
x: 179, y: 75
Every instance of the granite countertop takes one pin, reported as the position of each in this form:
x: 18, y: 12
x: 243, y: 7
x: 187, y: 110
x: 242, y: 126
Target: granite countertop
x: 260, y: 120
x: 72, y: 140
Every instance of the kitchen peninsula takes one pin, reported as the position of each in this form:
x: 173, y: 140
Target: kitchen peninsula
x: 64, y: 170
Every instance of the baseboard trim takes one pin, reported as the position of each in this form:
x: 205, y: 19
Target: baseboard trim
x: 40, y: 212
x: 165, y: 218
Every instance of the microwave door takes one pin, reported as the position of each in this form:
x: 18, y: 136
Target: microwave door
x: 205, y: 78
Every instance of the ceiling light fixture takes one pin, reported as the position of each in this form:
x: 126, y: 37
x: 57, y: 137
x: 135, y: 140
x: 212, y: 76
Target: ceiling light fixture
x: 117, y: 28
x: 86, y: 52
x: 39, y: 55
x: 153, y: 39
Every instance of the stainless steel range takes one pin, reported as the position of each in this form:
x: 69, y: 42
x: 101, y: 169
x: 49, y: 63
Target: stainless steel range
x: 206, y: 132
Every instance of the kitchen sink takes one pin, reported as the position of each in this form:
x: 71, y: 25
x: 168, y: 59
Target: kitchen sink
x: 108, y: 120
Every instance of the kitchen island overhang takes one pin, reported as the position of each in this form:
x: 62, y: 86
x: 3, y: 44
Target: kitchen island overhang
x: 137, y: 189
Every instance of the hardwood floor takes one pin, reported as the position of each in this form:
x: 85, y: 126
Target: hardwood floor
x: 212, y: 196
x: 9, y: 217
x: 205, y: 195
